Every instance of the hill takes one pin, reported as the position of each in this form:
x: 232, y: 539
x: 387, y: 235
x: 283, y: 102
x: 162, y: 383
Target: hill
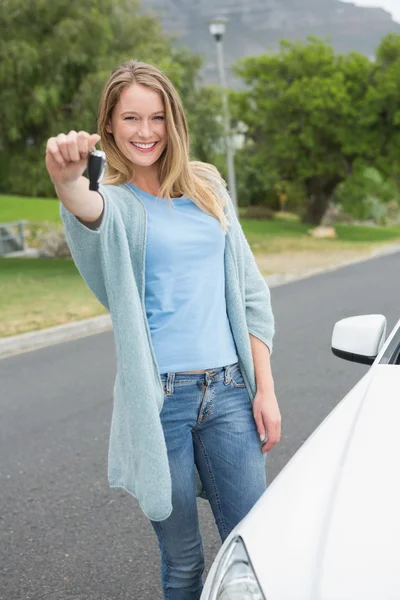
x: 256, y: 26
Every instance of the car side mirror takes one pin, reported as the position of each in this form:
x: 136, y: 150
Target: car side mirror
x: 359, y: 339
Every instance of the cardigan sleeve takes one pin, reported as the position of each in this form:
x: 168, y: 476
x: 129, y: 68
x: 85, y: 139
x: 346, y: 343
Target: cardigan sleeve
x: 259, y: 315
x: 86, y: 246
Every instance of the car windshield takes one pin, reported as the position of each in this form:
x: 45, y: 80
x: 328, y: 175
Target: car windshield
x: 391, y: 355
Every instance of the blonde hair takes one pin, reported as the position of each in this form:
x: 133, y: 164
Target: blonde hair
x: 179, y: 176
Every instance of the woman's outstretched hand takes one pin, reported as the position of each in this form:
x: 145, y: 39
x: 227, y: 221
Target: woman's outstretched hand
x: 67, y: 155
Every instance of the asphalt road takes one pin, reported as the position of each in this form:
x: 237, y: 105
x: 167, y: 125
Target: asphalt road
x: 64, y: 535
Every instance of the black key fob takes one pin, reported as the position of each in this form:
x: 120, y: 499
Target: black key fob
x: 96, y: 167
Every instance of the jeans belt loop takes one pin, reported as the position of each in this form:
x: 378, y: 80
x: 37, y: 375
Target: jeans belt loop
x: 170, y: 383
x: 227, y: 374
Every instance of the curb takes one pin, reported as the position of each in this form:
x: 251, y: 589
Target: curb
x: 34, y: 340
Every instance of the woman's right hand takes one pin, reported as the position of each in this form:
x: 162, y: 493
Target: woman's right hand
x: 67, y: 155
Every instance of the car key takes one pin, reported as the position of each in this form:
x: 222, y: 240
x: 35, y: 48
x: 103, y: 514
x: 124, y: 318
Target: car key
x: 96, y: 168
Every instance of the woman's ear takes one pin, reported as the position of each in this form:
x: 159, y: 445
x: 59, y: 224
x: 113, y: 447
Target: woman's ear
x: 108, y: 128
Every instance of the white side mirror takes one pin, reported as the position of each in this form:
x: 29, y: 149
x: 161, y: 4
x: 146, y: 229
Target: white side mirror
x: 359, y: 339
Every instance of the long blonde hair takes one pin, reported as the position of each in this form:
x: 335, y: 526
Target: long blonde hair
x: 178, y: 175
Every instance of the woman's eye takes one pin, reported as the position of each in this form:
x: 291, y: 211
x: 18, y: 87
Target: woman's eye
x: 130, y: 118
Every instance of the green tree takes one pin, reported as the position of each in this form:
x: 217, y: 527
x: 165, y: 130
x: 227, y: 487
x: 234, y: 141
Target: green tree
x: 384, y: 101
x: 367, y: 194
x: 203, y: 107
x: 308, y: 116
x: 55, y: 56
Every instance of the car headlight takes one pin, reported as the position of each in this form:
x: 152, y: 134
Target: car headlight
x: 235, y: 578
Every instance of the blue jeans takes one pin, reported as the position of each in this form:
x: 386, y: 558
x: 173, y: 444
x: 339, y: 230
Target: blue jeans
x: 207, y: 419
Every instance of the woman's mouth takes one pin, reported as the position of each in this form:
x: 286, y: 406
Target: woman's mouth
x: 144, y: 147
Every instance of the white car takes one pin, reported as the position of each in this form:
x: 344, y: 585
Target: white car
x: 328, y: 527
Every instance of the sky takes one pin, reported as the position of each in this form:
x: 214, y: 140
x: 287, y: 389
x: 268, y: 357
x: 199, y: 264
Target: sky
x: 392, y: 6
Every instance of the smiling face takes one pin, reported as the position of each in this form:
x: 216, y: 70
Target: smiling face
x: 138, y: 125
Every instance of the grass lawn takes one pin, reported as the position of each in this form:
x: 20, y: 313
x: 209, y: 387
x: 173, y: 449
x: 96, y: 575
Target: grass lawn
x: 15, y: 208
x: 289, y: 235
x: 39, y: 293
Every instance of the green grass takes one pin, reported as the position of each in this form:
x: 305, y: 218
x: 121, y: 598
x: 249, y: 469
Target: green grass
x: 39, y: 293
x: 276, y: 228
x: 359, y: 233
x: 284, y: 235
x: 293, y: 228
x: 15, y: 208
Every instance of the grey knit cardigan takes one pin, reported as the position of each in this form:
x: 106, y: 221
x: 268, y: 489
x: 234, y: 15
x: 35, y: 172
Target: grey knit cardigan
x: 111, y: 260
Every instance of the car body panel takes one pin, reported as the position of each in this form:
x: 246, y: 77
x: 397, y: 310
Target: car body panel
x: 328, y: 527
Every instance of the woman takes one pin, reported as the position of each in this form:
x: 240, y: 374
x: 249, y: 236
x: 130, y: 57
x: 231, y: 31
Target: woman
x: 161, y: 247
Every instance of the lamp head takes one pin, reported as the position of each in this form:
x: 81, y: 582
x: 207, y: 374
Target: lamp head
x: 217, y: 27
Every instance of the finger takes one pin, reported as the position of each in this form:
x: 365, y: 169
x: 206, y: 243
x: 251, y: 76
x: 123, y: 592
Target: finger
x: 94, y: 138
x: 62, y: 147
x: 83, y: 144
x: 72, y: 143
x: 279, y: 432
x: 273, y: 437
x: 53, y: 150
x: 259, y: 424
x: 268, y: 445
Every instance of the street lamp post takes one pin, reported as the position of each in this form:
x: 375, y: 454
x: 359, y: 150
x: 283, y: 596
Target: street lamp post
x: 217, y: 29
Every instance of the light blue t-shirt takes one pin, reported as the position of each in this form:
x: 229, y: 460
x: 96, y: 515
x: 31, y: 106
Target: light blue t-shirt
x: 185, y: 286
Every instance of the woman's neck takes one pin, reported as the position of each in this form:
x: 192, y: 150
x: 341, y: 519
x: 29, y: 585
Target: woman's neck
x: 147, y: 180
x: 152, y: 189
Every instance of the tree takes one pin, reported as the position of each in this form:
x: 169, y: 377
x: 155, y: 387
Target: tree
x: 367, y: 194
x: 384, y: 102
x: 307, y: 113
x: 56, y: 55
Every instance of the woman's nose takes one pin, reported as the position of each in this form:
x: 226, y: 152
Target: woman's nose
x: 144, y: 130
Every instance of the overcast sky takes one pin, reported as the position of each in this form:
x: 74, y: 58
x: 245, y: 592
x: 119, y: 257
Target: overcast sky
x: 392, y: 6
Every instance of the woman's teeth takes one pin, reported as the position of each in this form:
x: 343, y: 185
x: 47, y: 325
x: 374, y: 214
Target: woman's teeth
x: 144, y: 147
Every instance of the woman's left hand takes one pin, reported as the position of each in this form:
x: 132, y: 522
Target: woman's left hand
x: 268, y: 419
